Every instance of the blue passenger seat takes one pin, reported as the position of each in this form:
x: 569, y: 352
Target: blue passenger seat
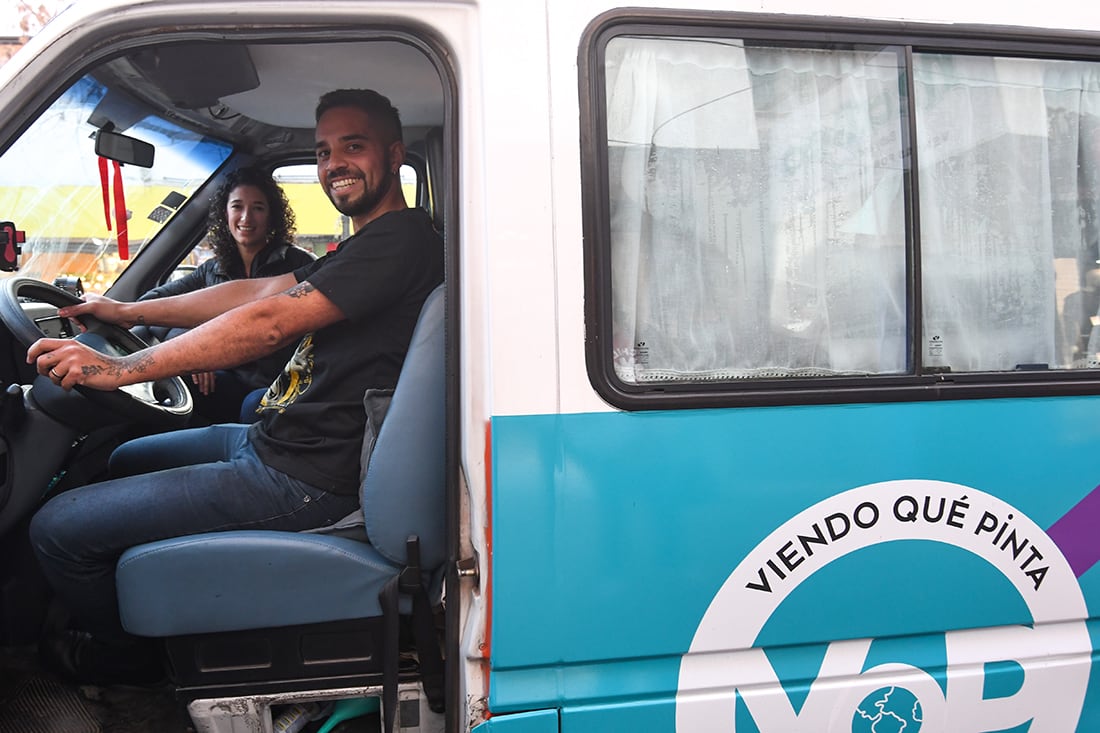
x: 254, y: 610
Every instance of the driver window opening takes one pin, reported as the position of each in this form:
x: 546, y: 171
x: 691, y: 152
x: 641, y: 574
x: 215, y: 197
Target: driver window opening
x: 176, y: 220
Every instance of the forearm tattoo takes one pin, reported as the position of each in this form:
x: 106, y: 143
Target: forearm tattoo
x: 301, y: 290
x: 137, y: 363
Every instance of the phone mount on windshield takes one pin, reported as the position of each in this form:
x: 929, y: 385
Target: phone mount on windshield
x: 10, y: 239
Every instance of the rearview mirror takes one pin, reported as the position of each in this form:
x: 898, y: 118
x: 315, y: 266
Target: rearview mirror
x: 124, y: 149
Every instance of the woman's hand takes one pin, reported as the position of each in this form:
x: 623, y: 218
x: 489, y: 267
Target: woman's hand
x: 205, y: 381
x: 103, y: 308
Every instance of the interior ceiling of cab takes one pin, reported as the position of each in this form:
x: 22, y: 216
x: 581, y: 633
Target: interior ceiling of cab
x: 262, y: 96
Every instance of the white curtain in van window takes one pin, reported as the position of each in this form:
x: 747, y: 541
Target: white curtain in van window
x: 1007, y: 158
x: 756, y: 217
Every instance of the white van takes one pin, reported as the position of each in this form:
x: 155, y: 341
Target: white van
x: 762, y: 390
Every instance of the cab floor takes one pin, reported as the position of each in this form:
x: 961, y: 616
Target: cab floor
x: 33, y: 700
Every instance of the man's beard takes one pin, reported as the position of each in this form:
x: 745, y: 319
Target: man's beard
x: 362, y: 205
x: 368, y: 200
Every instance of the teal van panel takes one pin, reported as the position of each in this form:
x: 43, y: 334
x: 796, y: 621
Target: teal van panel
x: 614, y: 533
x: 631, y: 678
x: 632, y: 717
x: 539, y: 721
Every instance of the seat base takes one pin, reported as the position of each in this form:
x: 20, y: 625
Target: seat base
x: 290, y: 658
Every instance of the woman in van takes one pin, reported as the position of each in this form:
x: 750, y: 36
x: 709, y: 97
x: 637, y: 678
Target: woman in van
x: 251, y: 232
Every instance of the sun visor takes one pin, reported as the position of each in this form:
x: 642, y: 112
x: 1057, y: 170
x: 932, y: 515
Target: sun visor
x: 117, y: 110
x: 197, y: 75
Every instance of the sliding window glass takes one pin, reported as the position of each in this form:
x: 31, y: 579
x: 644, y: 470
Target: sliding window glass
x: 756, y: 210
x: 1008, y: 160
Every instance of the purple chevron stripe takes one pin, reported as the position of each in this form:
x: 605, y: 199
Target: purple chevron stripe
x: 1077, y: 532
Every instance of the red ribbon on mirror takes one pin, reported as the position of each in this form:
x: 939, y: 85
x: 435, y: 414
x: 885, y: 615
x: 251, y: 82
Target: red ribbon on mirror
x: 119, y: 192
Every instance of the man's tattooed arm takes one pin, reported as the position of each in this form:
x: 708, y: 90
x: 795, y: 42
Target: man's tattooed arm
x: 301, y: 290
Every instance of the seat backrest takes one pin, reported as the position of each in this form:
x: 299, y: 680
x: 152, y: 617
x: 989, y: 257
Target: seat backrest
x: 403, y: 490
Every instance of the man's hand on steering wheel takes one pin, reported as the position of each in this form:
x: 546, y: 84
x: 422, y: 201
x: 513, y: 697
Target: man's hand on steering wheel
x: 67, y: 363
x: 103, y: 361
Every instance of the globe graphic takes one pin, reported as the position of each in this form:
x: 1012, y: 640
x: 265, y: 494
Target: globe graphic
x: 888, y: 710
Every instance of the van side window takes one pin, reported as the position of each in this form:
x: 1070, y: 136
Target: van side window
x: 756, y: 225
x: 1009, y: 154
x: 774, y: 212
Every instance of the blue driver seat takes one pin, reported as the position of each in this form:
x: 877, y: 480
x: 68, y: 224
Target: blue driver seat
x: 247, y: 612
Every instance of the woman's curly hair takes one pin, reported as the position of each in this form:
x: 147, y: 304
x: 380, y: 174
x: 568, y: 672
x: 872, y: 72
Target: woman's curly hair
x: 280, y: 218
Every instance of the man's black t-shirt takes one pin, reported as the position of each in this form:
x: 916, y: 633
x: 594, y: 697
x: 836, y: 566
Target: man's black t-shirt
x: 312, y: 417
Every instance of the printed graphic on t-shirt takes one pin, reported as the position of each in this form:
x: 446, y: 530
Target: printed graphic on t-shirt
x: 294, y: 381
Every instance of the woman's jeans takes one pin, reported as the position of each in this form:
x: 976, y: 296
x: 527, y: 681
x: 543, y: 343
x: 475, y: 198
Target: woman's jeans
x: 167, y: 485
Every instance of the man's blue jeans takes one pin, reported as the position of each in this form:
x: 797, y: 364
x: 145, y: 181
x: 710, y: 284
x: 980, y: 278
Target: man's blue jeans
x: 168, y: 485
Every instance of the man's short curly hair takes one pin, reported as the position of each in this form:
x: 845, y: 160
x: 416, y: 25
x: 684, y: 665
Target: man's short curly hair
x: 378, y: 107
x: 280, y: 217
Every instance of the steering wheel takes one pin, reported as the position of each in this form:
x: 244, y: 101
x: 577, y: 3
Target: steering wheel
x: 164, y: 403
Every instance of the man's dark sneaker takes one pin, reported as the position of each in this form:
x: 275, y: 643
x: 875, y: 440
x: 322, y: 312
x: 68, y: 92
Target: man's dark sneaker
x: 80, y: 657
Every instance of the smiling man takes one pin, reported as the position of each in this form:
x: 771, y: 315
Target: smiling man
x: 358, y: 163
x: 352, y: 313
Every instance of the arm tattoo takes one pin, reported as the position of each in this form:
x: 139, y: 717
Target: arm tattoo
x: 301, y: 290
x: 141, y: 320
x: 137, y: 363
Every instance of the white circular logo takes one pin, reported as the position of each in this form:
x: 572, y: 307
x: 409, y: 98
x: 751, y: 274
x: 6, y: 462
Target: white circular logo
x: 723, y: 668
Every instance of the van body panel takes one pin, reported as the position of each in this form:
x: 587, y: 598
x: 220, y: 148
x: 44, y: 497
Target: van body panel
x: 540, y: 721
x: 887, y: 524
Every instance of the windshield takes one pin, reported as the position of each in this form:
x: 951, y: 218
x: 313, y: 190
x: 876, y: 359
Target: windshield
x: 54, y: 187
